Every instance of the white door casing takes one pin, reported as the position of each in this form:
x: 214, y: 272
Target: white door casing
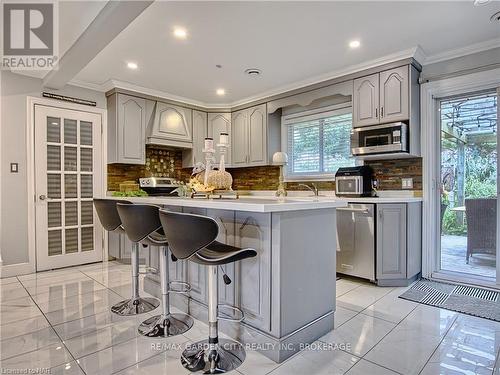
x: 430, y: 94
x: 68, y: 174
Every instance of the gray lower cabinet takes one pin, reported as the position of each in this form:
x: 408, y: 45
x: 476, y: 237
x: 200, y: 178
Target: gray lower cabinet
x: 114, y: 245
x: 120, y: 247
x: 225, y: 219
x: 253, y: 275
x: 250, y: 287
x: 398, y: 242
x: 196, y: 274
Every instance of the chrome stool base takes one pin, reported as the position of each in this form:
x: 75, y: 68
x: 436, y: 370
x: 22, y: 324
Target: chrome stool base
x: 135, y: 306
x: 166, y: 325
x: 218, y: 358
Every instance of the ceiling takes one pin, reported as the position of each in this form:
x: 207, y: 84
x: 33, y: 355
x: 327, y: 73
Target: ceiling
x: 74, y: 17
x: 293, y: 43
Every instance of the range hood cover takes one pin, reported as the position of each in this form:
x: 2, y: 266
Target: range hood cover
x: 169, y: 125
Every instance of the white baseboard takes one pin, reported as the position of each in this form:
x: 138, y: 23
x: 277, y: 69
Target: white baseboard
x: 11, y: 270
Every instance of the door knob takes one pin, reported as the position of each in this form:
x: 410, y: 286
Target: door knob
x: 42, y: 197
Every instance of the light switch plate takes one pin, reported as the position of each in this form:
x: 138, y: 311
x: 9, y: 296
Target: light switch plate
x: 14, y: 167
x: 407, y: 183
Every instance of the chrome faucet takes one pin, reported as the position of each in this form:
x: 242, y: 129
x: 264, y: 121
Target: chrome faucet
x: 312, y: 187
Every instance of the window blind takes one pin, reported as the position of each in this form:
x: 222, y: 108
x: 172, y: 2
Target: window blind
x: 320, y: 144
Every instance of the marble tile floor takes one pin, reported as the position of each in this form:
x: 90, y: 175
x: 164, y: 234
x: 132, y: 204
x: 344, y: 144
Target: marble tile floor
x: 59, y: 322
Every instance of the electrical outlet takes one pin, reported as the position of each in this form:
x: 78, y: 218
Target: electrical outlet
x: 407, y: 183
x: 14, y: 168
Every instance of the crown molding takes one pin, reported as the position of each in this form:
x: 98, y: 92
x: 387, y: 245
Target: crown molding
x: 416, y: 53
x: 405, y: 54
x: 463, y: 51
x: 117, y: 84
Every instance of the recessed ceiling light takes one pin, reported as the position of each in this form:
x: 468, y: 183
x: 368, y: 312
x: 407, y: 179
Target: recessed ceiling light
x: 481, y: 2
x: 132, y: 65
x: 180, y: 33
x: 220, y: 92
x: 354, y: 43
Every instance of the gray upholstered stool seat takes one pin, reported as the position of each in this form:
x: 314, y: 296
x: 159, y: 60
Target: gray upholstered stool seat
x: 110, y: 219
x: 193, y: 237
x: 142, y: 225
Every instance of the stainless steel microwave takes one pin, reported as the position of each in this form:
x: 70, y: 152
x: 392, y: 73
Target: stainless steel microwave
x: 380, y: 139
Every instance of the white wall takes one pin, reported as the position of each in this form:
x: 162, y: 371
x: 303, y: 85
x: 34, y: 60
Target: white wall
x: 14, y: 200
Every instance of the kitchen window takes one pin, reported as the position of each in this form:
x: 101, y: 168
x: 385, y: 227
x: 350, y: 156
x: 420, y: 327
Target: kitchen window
x: 317, y: 143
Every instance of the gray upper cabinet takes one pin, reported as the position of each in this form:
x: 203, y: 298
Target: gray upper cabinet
x: 257, y: 135
x: 171, y: 126
x: 394, y: 95
x: 391, y: 241
x: 366, y: 101
x: 383, y: 97
x: 249, y: 138
x: 219, y: 123
x: 126, y: 129
x: 200, y: 131
x: 239, y: 142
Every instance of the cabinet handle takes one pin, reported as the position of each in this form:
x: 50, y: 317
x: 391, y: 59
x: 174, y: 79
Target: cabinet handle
x: 381, y: 215
x: 376, y: 112
x: 381, y: 111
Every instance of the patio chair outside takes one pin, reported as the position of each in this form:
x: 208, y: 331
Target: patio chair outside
x: 481, y: 226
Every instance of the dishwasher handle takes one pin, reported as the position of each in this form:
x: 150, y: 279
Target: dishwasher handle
x: 362, y: 210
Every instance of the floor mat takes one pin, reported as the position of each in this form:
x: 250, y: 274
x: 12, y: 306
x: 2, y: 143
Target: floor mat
x: 470, y: 300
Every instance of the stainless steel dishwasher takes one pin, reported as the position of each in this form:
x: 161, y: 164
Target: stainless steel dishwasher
x: 356, y: 240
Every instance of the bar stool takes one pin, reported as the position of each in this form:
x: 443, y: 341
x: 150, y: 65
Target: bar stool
x: 193, y: 237
x: 142, y: 225
x: 110, y: 220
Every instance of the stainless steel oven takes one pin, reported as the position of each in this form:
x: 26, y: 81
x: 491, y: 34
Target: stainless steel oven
x: 380, y: 139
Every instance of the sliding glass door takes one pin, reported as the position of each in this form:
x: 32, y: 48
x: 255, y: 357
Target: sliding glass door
x: 469, y: 189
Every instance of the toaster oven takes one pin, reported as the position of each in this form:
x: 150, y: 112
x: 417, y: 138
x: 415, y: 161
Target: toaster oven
x: 354, y: 181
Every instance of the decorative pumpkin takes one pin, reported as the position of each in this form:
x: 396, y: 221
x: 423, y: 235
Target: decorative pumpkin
x: 222, y: 180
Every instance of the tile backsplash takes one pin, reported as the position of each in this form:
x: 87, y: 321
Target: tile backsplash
x: 161, y: 162
x: 388, y: 173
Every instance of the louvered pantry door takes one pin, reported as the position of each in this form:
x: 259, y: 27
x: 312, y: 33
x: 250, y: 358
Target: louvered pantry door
x: 68, y: 170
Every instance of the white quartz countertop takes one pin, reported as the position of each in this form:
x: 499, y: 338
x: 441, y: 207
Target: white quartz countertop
x: 384, y: 196
x: 382, y: 199
x: 246, y: 203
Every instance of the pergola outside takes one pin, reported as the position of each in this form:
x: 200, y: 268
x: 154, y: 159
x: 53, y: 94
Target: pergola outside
x: 468, y: 177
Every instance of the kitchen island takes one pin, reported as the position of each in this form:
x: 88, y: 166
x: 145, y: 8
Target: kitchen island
x: 287, y: 292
